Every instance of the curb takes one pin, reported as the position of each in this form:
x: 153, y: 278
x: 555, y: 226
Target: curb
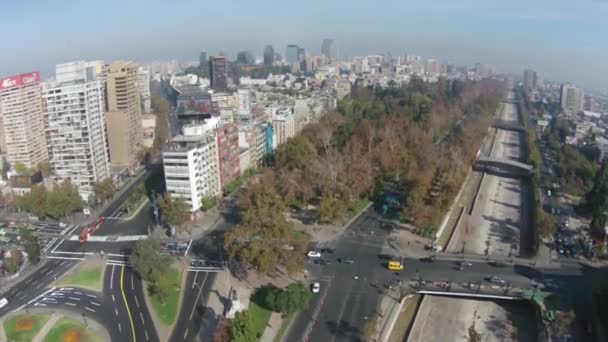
x: 386, y: 333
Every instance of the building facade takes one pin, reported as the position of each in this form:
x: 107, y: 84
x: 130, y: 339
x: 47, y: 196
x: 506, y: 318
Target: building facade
x: 23, y: 120
x: 530, y: 79
x: 571, y: 99
x: 328, y: 49
x: 143, y: 85
x: 284, y: 126
x: 244, y: 102
x: 227, y: 136
x: 291, y: 54
x: 191, y: 167
x: 268, y: 55
x: 76, y: 132
x: 124, y: 117
x: 218, y: 73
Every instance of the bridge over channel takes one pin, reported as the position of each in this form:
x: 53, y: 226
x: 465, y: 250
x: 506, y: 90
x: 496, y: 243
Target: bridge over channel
x: 509, y: 125
x: 503, y: 167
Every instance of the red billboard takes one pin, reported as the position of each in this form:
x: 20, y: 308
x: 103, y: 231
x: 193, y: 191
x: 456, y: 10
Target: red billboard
x: 19, y: 80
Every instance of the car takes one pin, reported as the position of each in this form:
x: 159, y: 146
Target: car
x: 466, y: 264
x: 328, y: 250
x: 346, y: 261
x: 428, y: 259
x: 496, y: 280
x: 313, y: 254
x: 3, y: 302
x: 62, y: 224
x: 315, y: 287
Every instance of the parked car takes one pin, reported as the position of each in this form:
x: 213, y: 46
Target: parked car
x: 316, y: 287
x: 496, y: 280
x: 313, y: 254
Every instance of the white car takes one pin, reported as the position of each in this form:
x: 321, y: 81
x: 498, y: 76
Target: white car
x: 313, y: 254
x: 316, y: 287
x: 63, y: 225
x: 3, y: 302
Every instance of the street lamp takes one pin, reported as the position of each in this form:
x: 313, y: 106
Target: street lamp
x: 84, y: 318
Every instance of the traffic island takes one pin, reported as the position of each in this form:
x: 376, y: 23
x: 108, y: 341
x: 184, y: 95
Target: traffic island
x: 87, y: 274
x: 68, y: 330
x: 24, y: 327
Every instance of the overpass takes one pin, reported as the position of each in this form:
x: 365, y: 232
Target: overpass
x: 503, y: 167
x: 509, y: 125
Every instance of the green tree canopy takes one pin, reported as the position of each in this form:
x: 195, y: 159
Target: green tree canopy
x: 242, y: 328
x: 104, y: 190
x: 151, y: 265
x: 64, y: 199
x: 174, y: 210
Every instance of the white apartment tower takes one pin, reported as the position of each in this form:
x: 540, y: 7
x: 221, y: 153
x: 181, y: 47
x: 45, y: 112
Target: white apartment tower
x: 191, y: 165
x: 74, y: 108
x: 572, y: 98
x: 21, y: 119
x: 244, y: 101
x: 143, y: 84
x: 284, y: 126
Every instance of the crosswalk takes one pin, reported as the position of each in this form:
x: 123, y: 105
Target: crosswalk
x: 110, y: 238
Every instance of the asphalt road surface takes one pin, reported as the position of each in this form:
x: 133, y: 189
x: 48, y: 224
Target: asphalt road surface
x: 194, y: 319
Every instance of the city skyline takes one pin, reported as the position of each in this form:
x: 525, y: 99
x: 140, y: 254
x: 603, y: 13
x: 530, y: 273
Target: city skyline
x: 561, y: 41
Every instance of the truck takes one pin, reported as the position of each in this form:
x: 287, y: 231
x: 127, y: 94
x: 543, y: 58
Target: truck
x: 91, y: 229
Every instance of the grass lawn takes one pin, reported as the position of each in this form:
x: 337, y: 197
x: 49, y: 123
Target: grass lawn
x: 69, y: 330
x: 284, y: 324
x: 260, y: 317
x: 405, y: 319
x: 358, y: 206
x: 24, y: 327
x: 88, y: 276
x: 167, y: 311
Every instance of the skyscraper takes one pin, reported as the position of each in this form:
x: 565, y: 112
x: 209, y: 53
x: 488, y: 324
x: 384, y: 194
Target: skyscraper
x: 218, y: 73
x: 268, y: 55
x: 143, y: 85
x: 291, y: 54
x: 76, y: 130
x: 123, y: 119
x: 572, y: 98
x: 530, y: 79
x: 22, y: 119
x: 202, y: 58
x: 328, y: 49
x: 245, y: 57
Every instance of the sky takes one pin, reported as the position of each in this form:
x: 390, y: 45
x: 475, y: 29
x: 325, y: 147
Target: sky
x: 563, y: 40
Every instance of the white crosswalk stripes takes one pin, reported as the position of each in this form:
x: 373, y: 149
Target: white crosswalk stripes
x: 132, y: 237
x: 110, y: 238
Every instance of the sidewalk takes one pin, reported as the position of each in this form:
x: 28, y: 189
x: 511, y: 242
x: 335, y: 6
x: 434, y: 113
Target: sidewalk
x: 272, y: 328
x: 47, y: 327
x: 389, y: 311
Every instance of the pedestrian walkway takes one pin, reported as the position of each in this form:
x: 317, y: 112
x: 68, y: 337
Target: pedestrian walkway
x: 110, y: 238
x: 47, y: 327
x: 272, y: 328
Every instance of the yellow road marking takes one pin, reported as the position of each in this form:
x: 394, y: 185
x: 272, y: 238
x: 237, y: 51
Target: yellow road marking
x: 122, y: 289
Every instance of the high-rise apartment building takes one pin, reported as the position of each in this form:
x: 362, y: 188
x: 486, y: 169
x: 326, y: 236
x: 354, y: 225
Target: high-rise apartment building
x: 123, y: 119
x: 191, y: 168
x: 76, y: 132
x: 244, y: 102
x: 328, y: 49
x: 202, y: 58
x: 143, y: 85
x: 268, y: 55
x: 284, y: 126
x: 530, y: 79
x: 291, y: 54
x: 432, y: 67
x: 227, y: 137
x: 23, y: 120
x: 571, y: 98
x: 218, y: 73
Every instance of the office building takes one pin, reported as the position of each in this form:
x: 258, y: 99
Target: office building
x: 291, y: 54
x: 202, y: 58
x: 191, y: 168
x: 245, y: 57
x: 284, y: 126
x: 432, y: 67
x: 76, y: 131
x: 328, y: 49
x: 143, y: 85
x: 123, y: 119
x: 23, y: 120
x: 268, y: 55
x: 218, y: 73
x: 227, y: 138
x: 530, y: 79
x: 571, y: 99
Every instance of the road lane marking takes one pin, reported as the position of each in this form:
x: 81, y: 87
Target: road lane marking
x: 113, y: 298
x: 119, y: 327
x: 91, y: 295
x: 142, y: 318
x: 78, y: 293
x: 198, y: 296
x: 116, y: 310
x: 136, y: 302
x: 188, y: 248
x: 74, y: 253
x: 74, y: 298
x: 95, y: 303
x: 194, y: 281
x: 66, y: 289
x: 185, y: 333
x: 124, y: 297
x: 112, y: 279
x: 41, y: 295
x: 88, y: 308
x: 147, y: 338
x: 132, y: 286
x: 71, y: 304
x: 63, y: 258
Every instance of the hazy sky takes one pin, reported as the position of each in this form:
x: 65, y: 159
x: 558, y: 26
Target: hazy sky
x: 565, y: 40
